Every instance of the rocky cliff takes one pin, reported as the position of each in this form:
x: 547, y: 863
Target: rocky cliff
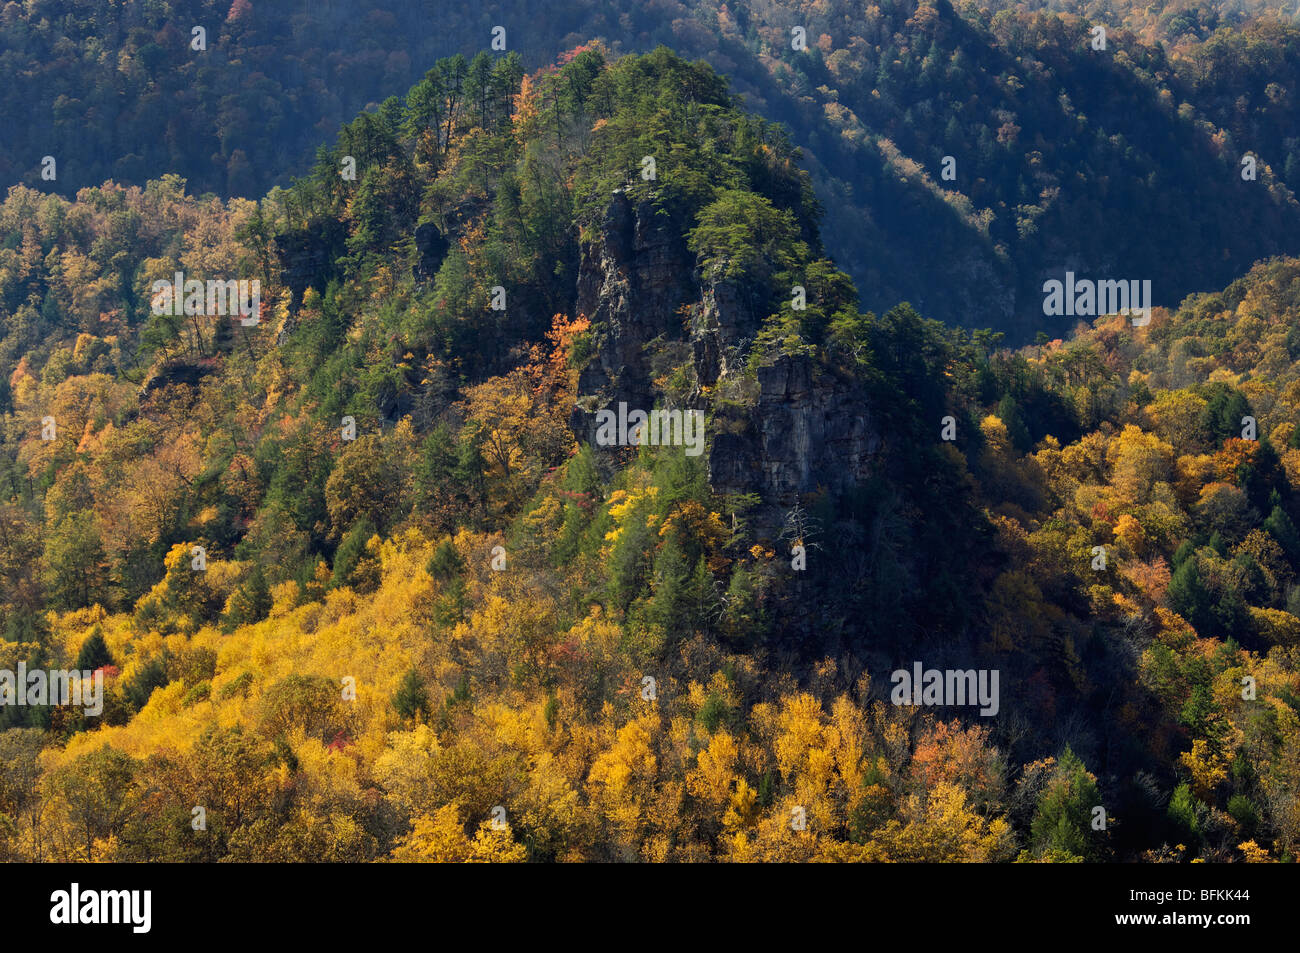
x: 633, y: 283
x: 782, y: 425
x: 309, y: 256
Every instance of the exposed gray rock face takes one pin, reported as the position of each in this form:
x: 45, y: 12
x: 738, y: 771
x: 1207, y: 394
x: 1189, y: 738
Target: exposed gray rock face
x: 430, y: 250
x: 307, y: 257
x: 800, y: 426
x: 631, y: 285
x: 806, y: 431
x: 722, y: 334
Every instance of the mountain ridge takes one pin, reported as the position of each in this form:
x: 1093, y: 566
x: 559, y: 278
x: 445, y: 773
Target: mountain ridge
x: 876, y: 101
x: 459, y: 609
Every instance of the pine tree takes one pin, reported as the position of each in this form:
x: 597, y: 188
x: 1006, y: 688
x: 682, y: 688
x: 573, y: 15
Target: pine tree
x: 1187, y: 594
x: 445, y: 563
x: 411, y: 700
x: 1062, y: 824
x: 94, y: 652
x: 1284, y: 531
x: 1182, y: 813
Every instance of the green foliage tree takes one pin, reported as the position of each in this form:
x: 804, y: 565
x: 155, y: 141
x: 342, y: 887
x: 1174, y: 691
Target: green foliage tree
x: 1062, y: 824
x: 94, y: 652
x: 411, y: 700
x: 1183, y: 813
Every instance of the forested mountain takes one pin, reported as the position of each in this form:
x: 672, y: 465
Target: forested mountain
x: 434, y: 616
x: 1063, y: 156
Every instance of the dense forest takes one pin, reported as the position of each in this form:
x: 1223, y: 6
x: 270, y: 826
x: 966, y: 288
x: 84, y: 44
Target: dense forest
x: 1119, y: 159
x: 1177, y: 23
x: 432, y: 619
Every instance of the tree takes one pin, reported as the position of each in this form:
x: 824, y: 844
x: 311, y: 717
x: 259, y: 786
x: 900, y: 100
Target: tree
x: 1062, y: 824
x: 1183, y: 813
x: 95, y: 792
x: 445, y: 564
x: 411, y: 700
x: 519, y: 422
x: 743, y: 237
x: 1178, y: 419
x: 1009, y: 413
x: 229, y: 772
x: 183, y: 599
x: 312, y: 704
x: 353, y: 565
x: 440, y: 838
x: 941, y: 828
x: 1281, y: 527
x: 78, y: 566
x: 21, y: 794
x: 365, y: 485
x: 94, y: 652
x: 250, y: 602
x: 1187, y: 594
x: 1207, y: 767
x: 1138, y: 462
x: 1224, y: 408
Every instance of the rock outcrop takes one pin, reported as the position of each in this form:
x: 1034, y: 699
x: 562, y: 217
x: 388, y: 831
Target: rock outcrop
x: 806, y: 431
x: 787, y: 427
x: 180, y: 371
x: 632, y: 285
x: 307, y: 257
x: 430, y: 250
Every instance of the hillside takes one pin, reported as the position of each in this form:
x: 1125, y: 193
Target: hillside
x: 636, y: 652
x: 1176, y: 22
x: 1063, y: 157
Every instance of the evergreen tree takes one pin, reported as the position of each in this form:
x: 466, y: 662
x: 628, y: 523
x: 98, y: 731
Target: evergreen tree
x: 94, y: 652
x: 1183, y: 813
x: 1187, y: 594
x: 1062, y: 824
x: 411, y: 700
x: 1284, y: 531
